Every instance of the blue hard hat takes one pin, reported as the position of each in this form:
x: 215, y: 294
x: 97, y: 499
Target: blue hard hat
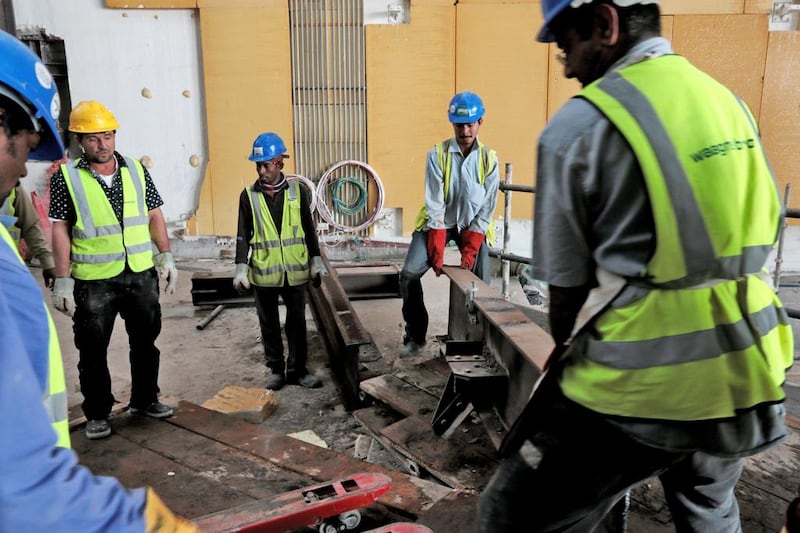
x: 25, y: 80
x: 267, y: 146
x: 465, y: 107
x: 550, y: 10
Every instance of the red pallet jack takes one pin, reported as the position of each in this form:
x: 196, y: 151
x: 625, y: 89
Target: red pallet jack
x: 332, y: 507
x: 401, y: 527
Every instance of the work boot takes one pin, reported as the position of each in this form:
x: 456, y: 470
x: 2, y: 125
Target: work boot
x: 275, y: 382
x: 410, y: 349
x: 309, y: 381
x: 97, y: 429
x: 154, y: 410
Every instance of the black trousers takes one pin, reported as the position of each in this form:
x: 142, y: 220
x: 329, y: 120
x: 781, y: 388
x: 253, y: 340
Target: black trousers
x: 134, y: 297
x: 294, y: 298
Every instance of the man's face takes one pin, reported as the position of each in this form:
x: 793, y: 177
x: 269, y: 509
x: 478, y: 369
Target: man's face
x: 465, y: 134
x: 587, y: 53
x: 99, y: 147
x: 13, y: 156
x: 269, y: 172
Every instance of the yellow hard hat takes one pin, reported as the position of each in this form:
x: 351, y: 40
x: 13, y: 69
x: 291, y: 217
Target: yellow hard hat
x: 90, y: 116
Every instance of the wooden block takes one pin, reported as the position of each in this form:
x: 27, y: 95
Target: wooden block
x: 399, y: 395
x: 251, y: 404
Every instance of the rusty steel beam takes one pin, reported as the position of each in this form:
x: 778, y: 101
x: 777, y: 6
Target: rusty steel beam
x: 480, y: 314
x: 345, y: 338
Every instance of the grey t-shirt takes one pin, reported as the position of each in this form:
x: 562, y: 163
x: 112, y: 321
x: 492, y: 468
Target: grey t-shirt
x: 592, y: 209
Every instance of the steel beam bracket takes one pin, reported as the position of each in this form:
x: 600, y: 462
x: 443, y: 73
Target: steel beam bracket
x: 473, y: 383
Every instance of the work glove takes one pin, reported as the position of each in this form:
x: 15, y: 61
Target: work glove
x: 49, y: 275
x: 64, y: 295
x: 318, y: 269
x: 159, y: 519
x: 436, y: 241
x: 240, y: 281
x: 165, y: 264
x: 471, y: 242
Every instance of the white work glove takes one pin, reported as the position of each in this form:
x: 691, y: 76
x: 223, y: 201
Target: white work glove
x: 64, y: 295
x: 165, y: 264
x: 240, y: 281
x: 318, y: 269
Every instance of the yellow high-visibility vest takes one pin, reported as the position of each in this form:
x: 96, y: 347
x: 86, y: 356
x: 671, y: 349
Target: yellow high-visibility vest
x: 701, y: 334
x: 275, y: 256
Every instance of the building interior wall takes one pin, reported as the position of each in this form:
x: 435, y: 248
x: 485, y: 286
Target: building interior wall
x: 483, y: 45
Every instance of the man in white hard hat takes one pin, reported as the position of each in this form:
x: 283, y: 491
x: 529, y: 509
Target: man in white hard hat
x: 656, y: 210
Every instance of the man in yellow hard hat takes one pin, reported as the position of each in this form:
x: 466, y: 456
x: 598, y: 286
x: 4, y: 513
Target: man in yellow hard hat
x: 107, y: 216
x: 43, y: 486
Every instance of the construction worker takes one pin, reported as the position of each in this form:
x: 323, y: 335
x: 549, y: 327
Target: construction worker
x: 461, y: 183
x: 106, y: 211
x: 656, y: 210
x: 277, y: 254
x: 44, y: 488
x: 22, y: 222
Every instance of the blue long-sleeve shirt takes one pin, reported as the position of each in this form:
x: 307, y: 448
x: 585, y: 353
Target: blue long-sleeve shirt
x: 42, y: 487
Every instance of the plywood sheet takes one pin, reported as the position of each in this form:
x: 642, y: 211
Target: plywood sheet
x: 736, y: 62
x: 498, y: 57
x: 780, y: 111
x: 410, y: 80
x: 400, y: 396
x: 695, y: 7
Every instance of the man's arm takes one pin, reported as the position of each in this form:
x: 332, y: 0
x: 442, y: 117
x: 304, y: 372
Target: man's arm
x: 31, y: 229
x: 434, y: 191
x: 158, y: 230
x: 485, y: 214
x: 244, y: 229
x: 61, y: 248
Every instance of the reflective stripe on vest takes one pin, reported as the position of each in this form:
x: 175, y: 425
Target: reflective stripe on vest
x: 702, y: 307
x: 486, y: 160
x: 54, y: 398
x: 274, y: 255
x: 100, y: 245
x: 7, y: 208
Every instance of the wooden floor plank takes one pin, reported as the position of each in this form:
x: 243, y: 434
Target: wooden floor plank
x: 461, y: 462
x: 401, y: 396
x: 409, y: 495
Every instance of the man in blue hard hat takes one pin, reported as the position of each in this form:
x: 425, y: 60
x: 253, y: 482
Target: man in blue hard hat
x: 461, y: 184
x: 654, y: 220
x: 44, y: 488
x: 277, y: 255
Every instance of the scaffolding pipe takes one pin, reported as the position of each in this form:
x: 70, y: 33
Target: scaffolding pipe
x: 506, y: 237
x: 779, y: 255
x: 519, y: 188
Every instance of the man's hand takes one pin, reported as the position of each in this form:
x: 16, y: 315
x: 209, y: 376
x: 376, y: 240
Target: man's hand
x: 165, y: 264
x: 436, y: 241
x: 318, y: 269
x: 160, y: 519
x: 64, y: 295
x: 471, y: 242
x: 240, y: 281
x: 49, y: 275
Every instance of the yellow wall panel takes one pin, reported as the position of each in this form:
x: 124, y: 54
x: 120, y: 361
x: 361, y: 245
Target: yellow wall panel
x: 236, y: 4
x: 736, y: 60
x: 498, y: 57
x: 780, y: 109
x: 410, y: 80
x: 248, y: 90
x: 701, y: 7
x: 758, y: 6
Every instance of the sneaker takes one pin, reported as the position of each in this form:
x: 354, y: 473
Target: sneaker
x: 97, y: 429
x: 410, y: 349
x: 309, y: 381
x: 154, y: 410
x: 275, y: 382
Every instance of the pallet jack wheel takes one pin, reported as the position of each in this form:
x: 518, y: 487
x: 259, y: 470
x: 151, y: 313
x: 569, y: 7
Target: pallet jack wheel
x: 345, y: 521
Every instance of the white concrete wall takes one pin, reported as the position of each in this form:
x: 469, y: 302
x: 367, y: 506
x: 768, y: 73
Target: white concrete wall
x: 112, y: 56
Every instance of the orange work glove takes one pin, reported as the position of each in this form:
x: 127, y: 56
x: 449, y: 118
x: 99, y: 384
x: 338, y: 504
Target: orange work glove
x: 159, y: 519
x: 470, y: 244
x: 436, y: 242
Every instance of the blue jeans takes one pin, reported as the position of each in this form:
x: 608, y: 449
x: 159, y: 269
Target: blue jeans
x: 416, y: 265
x: 576, y: 466
x: 134, y: 297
